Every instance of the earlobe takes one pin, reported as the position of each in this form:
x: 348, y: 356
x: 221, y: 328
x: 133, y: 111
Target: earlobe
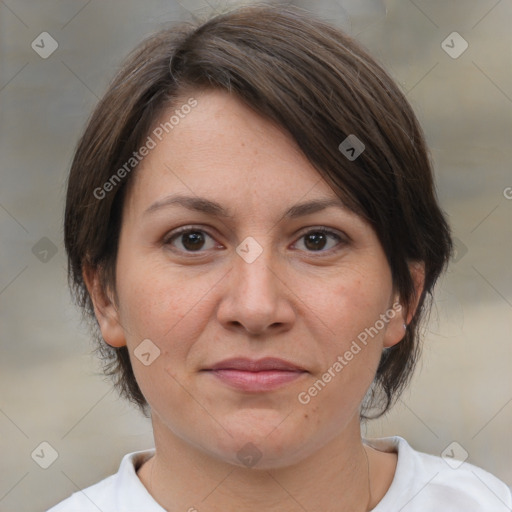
x: 396, y: 328
x: 105, y: 310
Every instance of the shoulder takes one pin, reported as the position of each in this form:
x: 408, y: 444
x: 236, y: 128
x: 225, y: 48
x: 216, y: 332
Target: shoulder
x: 97, y: 495
x: 122, y: 491
x: 423, y: 481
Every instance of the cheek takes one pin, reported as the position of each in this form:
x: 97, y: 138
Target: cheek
x: 158, y: 301
x: 352, y: 309
x: 351, y: 304
x: 171, y: 309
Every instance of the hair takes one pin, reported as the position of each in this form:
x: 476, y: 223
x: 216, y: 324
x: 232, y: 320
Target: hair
x: 316, y: 83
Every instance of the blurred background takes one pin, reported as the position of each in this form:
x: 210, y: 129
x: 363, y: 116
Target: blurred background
x: 452, y: 59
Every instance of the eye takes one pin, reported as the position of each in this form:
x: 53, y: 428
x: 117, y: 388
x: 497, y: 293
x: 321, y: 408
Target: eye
x: 190, y: 239
x: 194, y: 240
x: 317, y: 239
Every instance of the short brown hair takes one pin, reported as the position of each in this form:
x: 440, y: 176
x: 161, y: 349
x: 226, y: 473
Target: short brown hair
x: 319, y: 85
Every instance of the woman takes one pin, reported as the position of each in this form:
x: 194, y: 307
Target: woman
x: 252, y: 225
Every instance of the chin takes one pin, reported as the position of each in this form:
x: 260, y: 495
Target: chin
x: 265, y: 441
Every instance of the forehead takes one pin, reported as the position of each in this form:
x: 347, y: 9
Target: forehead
x: 223, y: 149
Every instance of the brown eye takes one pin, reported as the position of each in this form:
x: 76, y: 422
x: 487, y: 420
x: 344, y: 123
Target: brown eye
x: 190, y: 240
x: 316, y: 240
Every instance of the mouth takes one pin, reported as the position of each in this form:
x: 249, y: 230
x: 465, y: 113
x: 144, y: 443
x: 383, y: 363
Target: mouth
x: 260, y: 375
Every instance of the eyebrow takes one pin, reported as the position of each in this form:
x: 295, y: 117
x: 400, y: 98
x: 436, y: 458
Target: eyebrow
x: 203, y: 205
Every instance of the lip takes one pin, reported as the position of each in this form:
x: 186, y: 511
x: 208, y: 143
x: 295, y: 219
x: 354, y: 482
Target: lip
x: 252, y: 375
x: 256, y: 365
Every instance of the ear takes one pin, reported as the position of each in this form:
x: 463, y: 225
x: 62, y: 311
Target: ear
x: 417, y: 270
x: 104, y: 308
x: 396, y: 330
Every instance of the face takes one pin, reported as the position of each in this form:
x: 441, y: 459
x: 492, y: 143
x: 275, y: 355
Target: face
x: 265, y: 279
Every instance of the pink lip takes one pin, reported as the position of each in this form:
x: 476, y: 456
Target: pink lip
x: 255, y: 365
x: 256, y: 375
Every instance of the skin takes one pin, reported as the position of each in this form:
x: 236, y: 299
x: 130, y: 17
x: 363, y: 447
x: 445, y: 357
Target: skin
x: 295, y: 302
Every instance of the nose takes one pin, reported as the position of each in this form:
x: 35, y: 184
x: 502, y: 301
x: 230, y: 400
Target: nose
x: 257, y: 297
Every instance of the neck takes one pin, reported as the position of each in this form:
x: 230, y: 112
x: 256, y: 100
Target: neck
x: 337, y: 477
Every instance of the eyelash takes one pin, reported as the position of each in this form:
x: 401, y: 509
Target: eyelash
x: 191, y: 229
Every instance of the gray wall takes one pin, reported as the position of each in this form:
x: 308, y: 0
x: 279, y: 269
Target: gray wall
x: 51, y: 387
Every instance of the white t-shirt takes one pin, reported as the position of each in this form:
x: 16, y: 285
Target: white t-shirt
x: 422, y: 483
